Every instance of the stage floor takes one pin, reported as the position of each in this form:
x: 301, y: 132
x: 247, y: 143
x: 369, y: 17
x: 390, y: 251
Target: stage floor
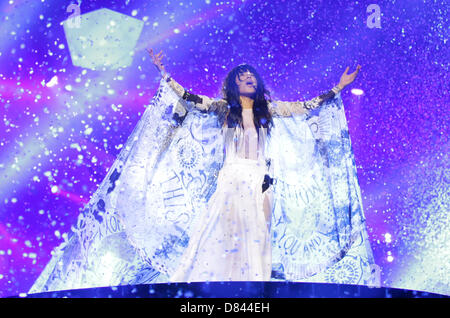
x: 237, y: 290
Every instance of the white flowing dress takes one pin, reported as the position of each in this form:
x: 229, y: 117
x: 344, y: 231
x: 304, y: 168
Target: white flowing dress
x: 232, y: 242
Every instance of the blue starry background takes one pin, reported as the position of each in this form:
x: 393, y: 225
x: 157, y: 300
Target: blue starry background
x: 63, y: 123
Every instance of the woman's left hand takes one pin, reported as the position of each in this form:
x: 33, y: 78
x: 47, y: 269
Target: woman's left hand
x: 347, y: 79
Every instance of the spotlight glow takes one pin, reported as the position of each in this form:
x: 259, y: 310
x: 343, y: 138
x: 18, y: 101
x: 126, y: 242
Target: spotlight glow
x: 357, y: 91
x: 388, y: 237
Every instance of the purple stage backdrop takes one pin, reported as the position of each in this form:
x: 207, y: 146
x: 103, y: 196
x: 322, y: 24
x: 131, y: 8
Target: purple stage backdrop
x: 64, y: 119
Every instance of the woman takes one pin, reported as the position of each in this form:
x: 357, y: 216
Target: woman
x: 172, y: 207
x: 232, y: 242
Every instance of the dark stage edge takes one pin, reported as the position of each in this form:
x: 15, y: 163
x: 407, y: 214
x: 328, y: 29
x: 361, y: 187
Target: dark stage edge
x: 237, y: 290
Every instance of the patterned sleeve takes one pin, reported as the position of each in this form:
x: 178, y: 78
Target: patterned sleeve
x: 287, y: 109
x: 201, y: 102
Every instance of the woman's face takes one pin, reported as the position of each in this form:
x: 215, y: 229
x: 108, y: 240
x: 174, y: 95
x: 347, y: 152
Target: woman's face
x: 246, y: 82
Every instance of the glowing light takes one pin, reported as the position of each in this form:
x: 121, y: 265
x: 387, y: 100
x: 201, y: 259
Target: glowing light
x: 357, y: 91
x: 389, y: 258
x: 388, y: 237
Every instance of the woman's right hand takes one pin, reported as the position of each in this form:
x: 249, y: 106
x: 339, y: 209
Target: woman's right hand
x: 156, y: 59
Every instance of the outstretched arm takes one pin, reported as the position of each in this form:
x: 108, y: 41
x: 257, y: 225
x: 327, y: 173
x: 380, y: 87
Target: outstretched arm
x: 201, y: 102
x: 286, y: 109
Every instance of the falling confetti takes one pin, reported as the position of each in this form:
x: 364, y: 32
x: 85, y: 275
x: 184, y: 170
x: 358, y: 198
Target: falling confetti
x: 70, y: 97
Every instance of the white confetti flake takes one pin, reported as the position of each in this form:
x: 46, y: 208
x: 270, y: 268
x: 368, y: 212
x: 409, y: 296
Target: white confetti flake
x: 88, y: 131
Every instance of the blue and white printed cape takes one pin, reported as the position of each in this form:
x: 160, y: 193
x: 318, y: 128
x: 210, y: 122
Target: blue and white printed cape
x: 138, y: 223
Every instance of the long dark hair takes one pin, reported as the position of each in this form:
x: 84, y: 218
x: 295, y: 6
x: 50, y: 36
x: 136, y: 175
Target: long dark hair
x: 230, y: 91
